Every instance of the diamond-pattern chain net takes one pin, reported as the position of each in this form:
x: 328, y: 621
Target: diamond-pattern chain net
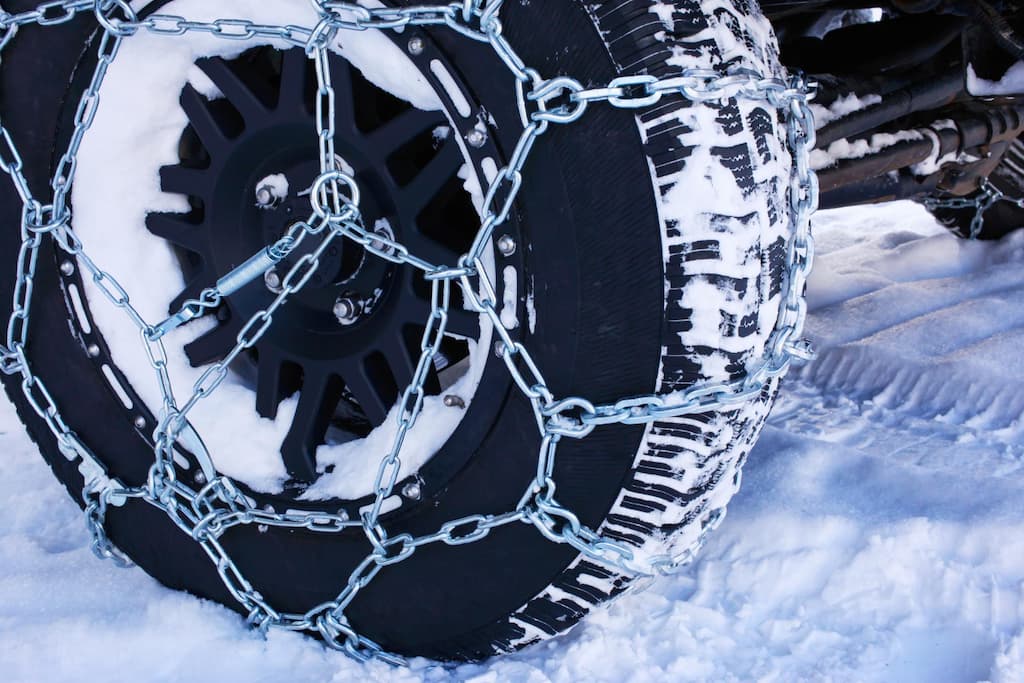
x: 207, y: 512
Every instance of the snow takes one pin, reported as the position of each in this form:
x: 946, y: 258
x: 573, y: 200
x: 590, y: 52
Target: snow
x: 276, y: 184
x: 855, y: 149
x: 510, y: 298
x: 878, y: 535
x: 1010, y: 83
x: 841, y: 106
x: 531, y: 308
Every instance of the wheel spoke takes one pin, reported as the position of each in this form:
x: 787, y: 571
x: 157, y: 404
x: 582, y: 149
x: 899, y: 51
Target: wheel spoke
x: 403, y: 360
x: 344, y: 97
x: 367, y: 392
x: 463, y: 323
x: 274, y: 381
x: 408, y: 125
x: 203, y: 121
x: 236, y: 90
x: 434, y: 176
x: 176, y: 229
x: 184, y: 180
x: 318, y: 397
x: 430, y: 250
x: 211, y: 346
x: 294, y: 69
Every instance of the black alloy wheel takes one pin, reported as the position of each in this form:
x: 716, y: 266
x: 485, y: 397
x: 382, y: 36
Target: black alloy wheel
x: 349, y: 341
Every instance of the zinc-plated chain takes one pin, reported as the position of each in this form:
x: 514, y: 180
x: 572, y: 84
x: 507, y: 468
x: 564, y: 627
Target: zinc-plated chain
x: 209, y: 505
x: 985, y: 199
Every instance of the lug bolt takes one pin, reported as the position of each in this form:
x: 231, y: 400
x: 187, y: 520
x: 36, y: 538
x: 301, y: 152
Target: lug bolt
x: 140, y: 422
x: 416, y: 45
x: 67, y: 268
x: 343, y: 515
x: 384, y: 231
x: 200, y: 478
x: 272, y: 280
x: 412, y: 490
x: 346, y: 311
x: 264, y: 197
x: 499, y: 348
x: 93, y: 350
x: 453, y: 401
x: 506, y: 245
x: 263, y: 528
x: 476, y: 138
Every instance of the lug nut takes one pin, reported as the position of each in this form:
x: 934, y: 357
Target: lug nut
x: 93, y: 350
x: 506, y: 245
x: 412, y: 490
x: 346, y: 311
x: 499, y: 348
x: 264, y: 197
x: 263, y: 528
x: 476, y: 138
x: 140, y: 422
x: 453, y: 401
x: 272, y: 280
x: 416, y: 45
x: 67, y: 268
x: 383, y: 229
x: 200, y: 478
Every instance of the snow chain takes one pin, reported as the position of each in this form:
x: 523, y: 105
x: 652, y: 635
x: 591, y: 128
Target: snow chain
x: 207, y: 513
x: 988, y: 196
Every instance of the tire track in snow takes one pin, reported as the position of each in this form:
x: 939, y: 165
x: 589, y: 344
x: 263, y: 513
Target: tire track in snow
x: 927, y: 359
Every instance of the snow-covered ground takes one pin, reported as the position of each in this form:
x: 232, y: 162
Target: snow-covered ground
x: 878, y: 536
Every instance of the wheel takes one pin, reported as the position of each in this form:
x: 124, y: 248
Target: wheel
x: 1002, y: 217
x: 646, y: 252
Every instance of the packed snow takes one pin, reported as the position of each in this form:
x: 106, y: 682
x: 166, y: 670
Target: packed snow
x: 878, y: 535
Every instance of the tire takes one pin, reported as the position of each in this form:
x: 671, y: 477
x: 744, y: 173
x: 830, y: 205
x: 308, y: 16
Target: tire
x: 1001, y: 218
x: 635, y: 294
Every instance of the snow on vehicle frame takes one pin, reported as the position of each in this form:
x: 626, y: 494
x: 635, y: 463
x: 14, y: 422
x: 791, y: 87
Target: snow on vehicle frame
x: 426, y: 328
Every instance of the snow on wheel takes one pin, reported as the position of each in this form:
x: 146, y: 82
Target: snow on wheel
x: 331, y: 381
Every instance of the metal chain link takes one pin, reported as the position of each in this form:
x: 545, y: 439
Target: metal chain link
x: 206, y: 513
x: 987, y: 197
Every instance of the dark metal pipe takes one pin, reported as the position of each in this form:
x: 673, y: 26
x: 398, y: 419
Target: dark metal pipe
x: 882, y: 175
x: 883, y: 188
x: 921, y: 96
x: 892, y: 158
x: 891, y: 45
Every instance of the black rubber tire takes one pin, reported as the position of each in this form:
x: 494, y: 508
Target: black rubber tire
x: 1001, y: 218
x: 635, y: 320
